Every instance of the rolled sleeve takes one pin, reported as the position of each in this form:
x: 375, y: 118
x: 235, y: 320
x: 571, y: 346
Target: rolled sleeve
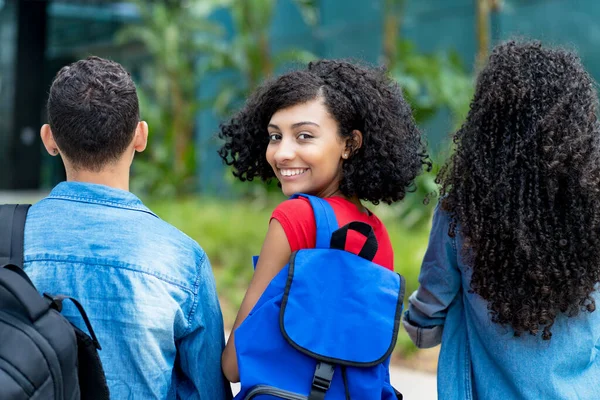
x: 440, y: 283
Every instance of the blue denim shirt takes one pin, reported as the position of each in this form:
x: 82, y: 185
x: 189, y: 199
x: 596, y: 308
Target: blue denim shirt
x: 483, y: 360
x: 148, y: 289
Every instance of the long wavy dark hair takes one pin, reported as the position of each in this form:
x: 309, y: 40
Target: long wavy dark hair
x: 523, y: 187
x: 357, y: 97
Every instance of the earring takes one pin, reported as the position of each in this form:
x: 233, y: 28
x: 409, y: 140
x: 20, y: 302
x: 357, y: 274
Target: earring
x: 345, y: 155
x: 55, y: 151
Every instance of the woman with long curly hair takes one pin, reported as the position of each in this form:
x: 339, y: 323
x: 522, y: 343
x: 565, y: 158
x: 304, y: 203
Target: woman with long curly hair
x: 334, y: 130
x: 509, y: 281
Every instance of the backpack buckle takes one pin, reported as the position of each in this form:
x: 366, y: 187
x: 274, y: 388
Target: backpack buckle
x: 323, y: 376
x: 55, y: 302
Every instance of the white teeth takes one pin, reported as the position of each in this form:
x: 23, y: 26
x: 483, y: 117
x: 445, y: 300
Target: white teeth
x: 292, y: 171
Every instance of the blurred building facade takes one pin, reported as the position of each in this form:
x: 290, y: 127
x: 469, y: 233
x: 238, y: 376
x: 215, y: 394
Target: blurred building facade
x: 37, y: 37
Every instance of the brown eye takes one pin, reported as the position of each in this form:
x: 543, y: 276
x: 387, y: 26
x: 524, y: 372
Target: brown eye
x: 305, y: 136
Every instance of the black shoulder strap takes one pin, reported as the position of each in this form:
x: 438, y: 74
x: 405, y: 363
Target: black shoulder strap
x: 12, y: 233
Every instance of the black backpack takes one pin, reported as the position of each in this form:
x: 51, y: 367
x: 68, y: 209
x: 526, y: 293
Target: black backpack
x: 42, y: 355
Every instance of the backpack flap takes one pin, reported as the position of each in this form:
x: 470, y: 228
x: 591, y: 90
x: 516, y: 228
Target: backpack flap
x: 340, y: 308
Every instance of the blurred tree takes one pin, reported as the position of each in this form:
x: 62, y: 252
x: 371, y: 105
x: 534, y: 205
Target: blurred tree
x: 430, y: 83
x: 249, y: 53
x: 483, y: 31
x: 392, y: 19
x: 173, y: 33
x: 483, y: 10
x: 182, y: 45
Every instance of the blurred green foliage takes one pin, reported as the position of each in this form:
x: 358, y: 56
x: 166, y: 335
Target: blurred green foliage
x: 431, y: 83
x: 232, y: 232
x: 182, y: 44
x: 248, y: 53
x: 172, y: 35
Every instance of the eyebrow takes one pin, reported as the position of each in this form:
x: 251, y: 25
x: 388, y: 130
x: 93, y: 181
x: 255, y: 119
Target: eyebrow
x: 296, y: 125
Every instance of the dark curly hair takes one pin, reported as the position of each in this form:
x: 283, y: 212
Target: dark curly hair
x: 391, y: 156
x: 93, y: 111
x: 523, y: 187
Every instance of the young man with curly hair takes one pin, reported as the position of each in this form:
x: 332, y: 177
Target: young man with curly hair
x: 148, y: 289
x: 509, y: 283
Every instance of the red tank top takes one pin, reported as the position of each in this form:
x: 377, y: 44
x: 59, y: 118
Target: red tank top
x: 298, y: 222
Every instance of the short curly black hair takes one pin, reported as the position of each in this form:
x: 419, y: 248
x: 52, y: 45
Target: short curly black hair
x: 523, y: 187
x: 93, y: 111
x: 361, y: 98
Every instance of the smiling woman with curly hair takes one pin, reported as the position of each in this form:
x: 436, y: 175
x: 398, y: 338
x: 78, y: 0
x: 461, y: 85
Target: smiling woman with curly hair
x: 334, y: 130
x: 509, y: 282
x: 381, y: 169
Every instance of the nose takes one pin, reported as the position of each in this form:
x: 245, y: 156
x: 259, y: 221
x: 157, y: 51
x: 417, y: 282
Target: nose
x: 285, y: 151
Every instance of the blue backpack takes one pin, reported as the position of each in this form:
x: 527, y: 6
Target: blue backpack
x: 326, y: 325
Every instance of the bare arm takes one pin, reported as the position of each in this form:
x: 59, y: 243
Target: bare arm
x: 274, y: 255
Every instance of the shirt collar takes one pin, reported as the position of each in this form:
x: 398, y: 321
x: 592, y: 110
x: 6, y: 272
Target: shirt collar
x: 99, y: 194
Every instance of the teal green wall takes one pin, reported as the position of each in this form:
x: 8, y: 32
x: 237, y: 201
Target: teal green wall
x: 571, y: 23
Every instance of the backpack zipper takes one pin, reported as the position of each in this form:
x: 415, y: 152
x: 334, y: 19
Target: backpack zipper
x: 282, y: 394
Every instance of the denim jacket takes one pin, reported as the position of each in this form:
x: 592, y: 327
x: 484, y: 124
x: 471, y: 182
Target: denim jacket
x: 147, y: 288
x: 483, y: 360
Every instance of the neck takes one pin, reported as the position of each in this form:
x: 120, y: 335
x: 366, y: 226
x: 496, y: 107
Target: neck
x: 352, y: 199
x: 356, y: 201
x: 116, y: 176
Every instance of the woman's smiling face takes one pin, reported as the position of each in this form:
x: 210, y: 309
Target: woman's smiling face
x: 305, y: 149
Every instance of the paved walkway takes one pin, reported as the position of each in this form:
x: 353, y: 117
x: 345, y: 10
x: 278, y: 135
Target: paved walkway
x: 22, y: 196
x: 414, y: 385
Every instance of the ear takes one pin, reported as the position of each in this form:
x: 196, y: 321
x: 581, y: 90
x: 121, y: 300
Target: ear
x: 353, y: 143
x: 140, y: 139
x: 48, y: 140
